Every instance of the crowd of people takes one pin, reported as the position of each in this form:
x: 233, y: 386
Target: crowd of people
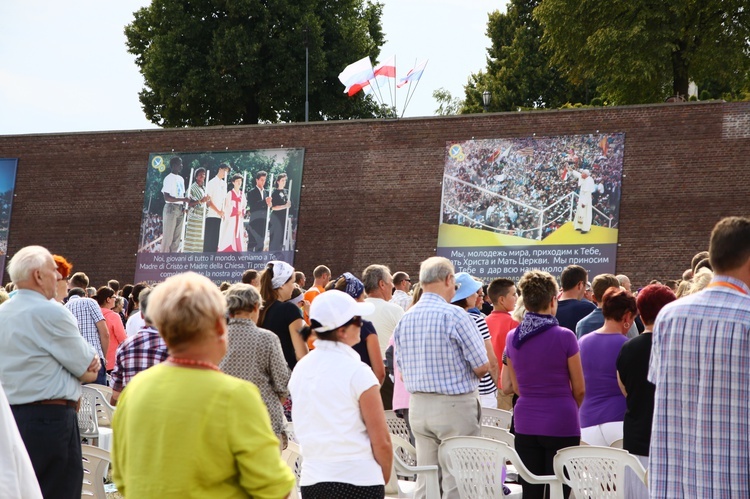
x: 505, y: 185
x: 217, y: 375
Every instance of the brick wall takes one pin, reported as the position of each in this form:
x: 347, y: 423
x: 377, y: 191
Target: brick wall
x: 371, y: 189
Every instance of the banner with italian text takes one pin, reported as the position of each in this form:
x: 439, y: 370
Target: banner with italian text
x: 218, y: 213
x: 512, y: 205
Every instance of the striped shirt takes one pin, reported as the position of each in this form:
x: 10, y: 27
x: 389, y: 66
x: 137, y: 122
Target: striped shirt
x: 438, y: 347
x: 486, y: 385
x: 700, y: 364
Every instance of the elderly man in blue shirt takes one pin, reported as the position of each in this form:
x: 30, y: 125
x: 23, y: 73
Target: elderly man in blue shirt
x: 442, y: 357
x: 43, y: 359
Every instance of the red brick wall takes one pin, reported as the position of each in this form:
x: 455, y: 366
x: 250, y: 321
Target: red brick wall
x: 371, y: 189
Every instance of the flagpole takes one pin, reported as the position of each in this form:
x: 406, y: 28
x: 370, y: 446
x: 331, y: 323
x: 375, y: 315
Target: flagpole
x: 268, y: 217
x: 393, y: 91
x: 408, y: 92
x: 415, y: 88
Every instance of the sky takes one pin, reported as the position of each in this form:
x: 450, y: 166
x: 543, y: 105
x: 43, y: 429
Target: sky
x: 64, y: 66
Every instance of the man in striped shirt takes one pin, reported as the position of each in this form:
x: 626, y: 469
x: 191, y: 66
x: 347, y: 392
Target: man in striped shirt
x: 442, y: 357
x: 700, y: 364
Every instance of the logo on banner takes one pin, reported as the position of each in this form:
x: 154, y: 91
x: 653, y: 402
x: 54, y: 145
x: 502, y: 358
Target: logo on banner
x: 158, y: 164
x: 456, y: 152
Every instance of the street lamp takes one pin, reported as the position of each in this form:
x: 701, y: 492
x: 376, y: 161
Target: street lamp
x: 486, y: 98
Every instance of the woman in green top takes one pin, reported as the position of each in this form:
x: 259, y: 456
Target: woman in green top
x: 185, y: 429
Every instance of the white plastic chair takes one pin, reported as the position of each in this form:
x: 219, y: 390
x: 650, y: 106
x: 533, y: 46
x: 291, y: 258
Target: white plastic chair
x: 396, y: 425
x: 496, y: 417
x: 88, y: 419
x: 95, y: 464
x: 617, y: 444
x: 596, y: 472
x: 104, y: 411
x: 292, y: 457
x: 476, y: 463
x: 289, y: 430
x: 499, y: 434
x: 404, y: 469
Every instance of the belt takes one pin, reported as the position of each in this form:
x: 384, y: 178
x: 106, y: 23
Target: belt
x: 67, y: 402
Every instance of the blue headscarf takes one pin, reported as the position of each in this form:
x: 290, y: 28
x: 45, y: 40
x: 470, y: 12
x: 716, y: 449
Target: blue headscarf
x: 354, y: 286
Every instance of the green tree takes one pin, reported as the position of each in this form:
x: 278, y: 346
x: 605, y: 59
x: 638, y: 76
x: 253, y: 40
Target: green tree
x: 519, y: 73
x: 225, y: 62
x: 642, y: 51
x: 447, y: 104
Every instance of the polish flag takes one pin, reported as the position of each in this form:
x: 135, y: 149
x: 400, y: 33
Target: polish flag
x: 413, y: 75
x: 356, y: 76
x: 386, y: 68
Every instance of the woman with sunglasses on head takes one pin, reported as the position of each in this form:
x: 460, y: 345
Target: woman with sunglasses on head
x: 338, y: 414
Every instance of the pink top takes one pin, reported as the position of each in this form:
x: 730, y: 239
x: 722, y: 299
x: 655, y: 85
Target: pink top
x: 116, y: 335
x: 400, y: 395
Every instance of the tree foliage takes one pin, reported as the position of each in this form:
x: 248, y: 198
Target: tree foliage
x: 224, y: 62
x: 447, y: 104
x: 519, y: 73
x: 642, y: 51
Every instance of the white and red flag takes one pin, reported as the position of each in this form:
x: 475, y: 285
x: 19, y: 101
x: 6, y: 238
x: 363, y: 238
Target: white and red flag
x: 356, y: 76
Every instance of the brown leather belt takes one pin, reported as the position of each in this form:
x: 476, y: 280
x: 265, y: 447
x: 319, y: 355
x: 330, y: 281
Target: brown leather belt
x: 67, y: 402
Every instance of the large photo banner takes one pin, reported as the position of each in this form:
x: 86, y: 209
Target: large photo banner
x: 512, y: 205
x: 8, y: 169
x: 218, y: 213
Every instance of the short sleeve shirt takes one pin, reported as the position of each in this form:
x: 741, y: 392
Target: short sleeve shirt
x: 174, y: 185
x: 279, y: 317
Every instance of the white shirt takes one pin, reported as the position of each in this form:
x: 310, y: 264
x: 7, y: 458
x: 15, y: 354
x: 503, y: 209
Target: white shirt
x: 385, y: 318
x: 402, y: 299
x: 216, y: 189
x: 174, y: 185
x: 135, y: 323
x: 17, y: 478
x: 326, y: 385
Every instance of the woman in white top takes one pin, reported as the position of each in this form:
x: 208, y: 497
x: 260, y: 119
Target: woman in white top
x: 338, y: 414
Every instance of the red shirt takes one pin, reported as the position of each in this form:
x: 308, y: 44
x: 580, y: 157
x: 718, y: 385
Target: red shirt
x: 500, y: 323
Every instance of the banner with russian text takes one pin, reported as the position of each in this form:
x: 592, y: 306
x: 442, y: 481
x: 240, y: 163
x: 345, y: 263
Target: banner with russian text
x: 512, y: 205
x: 218, y: 213
x: 8, y: 169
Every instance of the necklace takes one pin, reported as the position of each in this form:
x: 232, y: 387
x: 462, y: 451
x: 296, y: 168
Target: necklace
x: 193, y: 363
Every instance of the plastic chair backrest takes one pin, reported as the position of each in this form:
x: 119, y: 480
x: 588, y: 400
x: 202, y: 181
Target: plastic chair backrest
x: 95, y: 462
x: 617, y: 444
x: 396, y: 425
x: 88, y: 421
x: 477, y: 463
x: 496, y: 417
x: 401, y: 468
x: 596, y: 472
x: 104, y: 411
x: 499, y: 434
x: 289, y: 430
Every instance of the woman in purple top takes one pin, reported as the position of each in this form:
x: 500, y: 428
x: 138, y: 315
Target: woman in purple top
x: 603, y: 409
x: 545, y: 367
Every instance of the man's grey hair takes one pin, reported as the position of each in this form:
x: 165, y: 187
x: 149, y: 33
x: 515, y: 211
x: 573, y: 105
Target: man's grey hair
x: 435, y: 269
x: 242, y: 298
x: 372, y: 276
x: 26, y: 261
x: 622, y: 278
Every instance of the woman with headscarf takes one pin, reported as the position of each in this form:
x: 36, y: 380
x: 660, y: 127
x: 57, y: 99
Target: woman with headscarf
x: 185, y: 429
x: 279, y: 205
x: 544, y: 365
x: 368, y: 347
x: 254, y: 354
x: 232, y: 231
x: 281, y: 316
x: 338, y: 412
